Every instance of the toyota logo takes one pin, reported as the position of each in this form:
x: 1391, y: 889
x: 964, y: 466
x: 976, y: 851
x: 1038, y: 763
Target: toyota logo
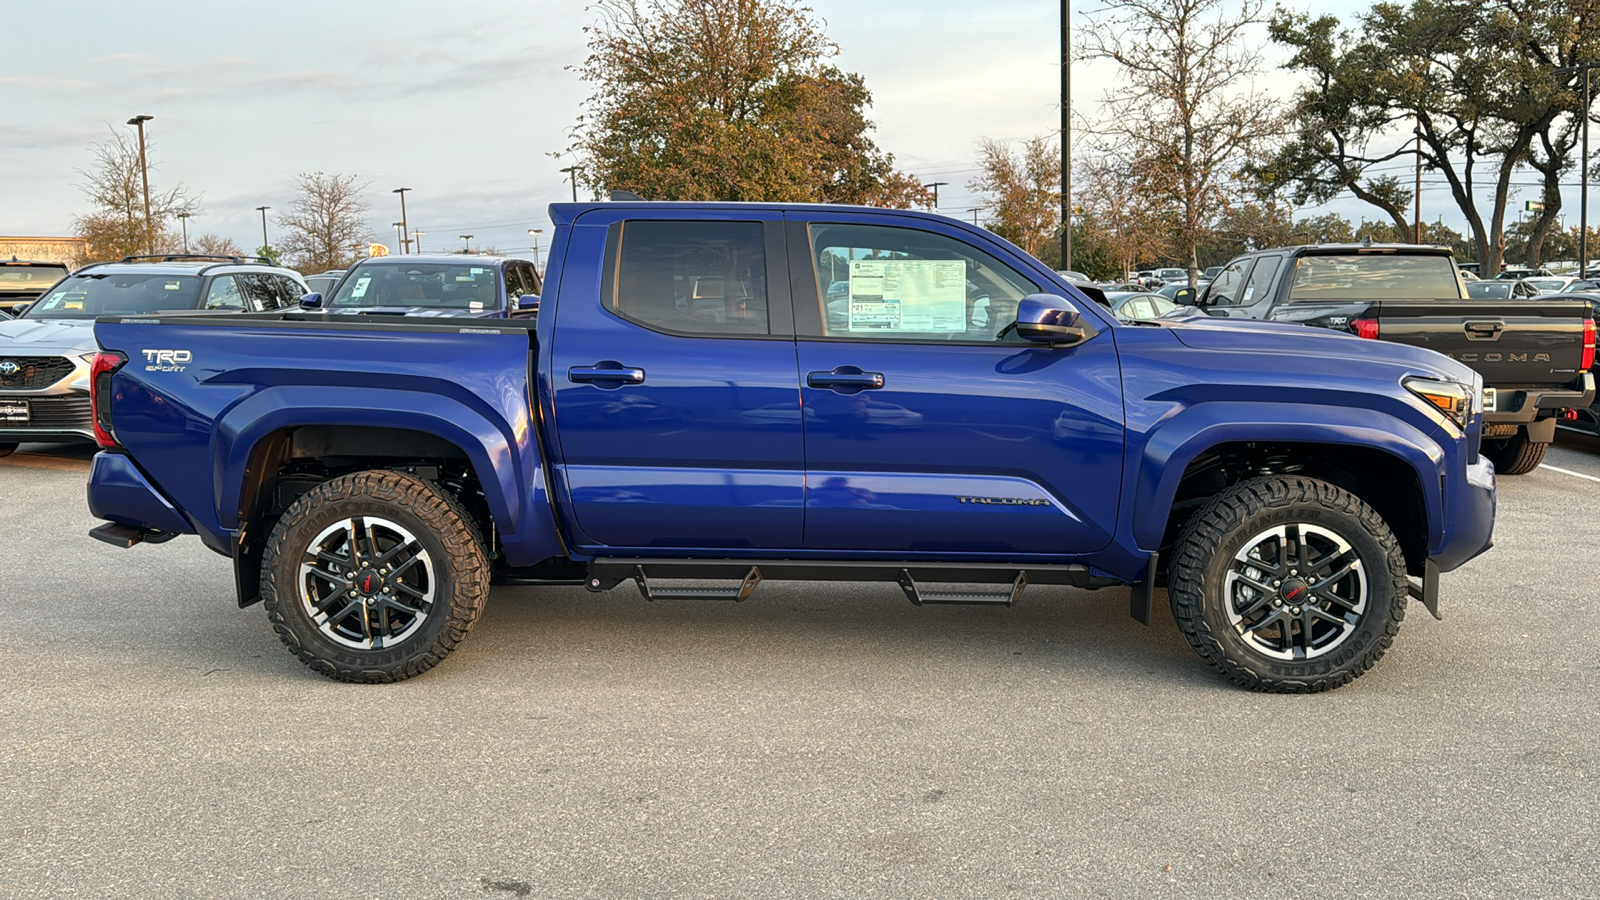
x: 9, y: 368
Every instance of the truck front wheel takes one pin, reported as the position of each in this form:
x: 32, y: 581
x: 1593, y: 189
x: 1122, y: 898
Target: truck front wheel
x: 1288, y: 584
x: 1515, y: 455
x: 374, y: 576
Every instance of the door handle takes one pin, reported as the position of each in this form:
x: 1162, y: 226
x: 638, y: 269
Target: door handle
x: 1484, y: 331
x: 845, y: 377
x: 605, y: 371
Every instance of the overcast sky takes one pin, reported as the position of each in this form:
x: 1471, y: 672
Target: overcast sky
x: 464, y: 103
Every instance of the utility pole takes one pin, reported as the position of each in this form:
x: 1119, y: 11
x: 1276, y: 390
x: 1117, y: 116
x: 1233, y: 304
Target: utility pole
x: 184, y: 218
x: 936, y: 185
x: 144, y: 179
x: 572, y: 172
x: 1416, y: 218
x: 403, y: 226
x: 536, y: 232
x: 418, y: 236
x: 1583, y: 194
x: 1066, y: 135
x: 263, y: 211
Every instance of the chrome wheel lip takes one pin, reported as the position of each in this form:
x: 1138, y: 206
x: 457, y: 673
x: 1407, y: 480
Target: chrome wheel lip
x: 1301, y: 627
x: 373, y: 616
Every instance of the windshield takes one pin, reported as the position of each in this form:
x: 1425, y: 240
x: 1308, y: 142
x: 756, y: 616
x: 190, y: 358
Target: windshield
x: 30, y: 279
x: 1489, y: 290
x: 114, y: 294
x: 1373, y: 276
x: 1547, y: 285
x: 463, y: 285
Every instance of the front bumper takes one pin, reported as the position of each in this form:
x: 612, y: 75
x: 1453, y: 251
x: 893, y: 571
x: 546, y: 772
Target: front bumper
x: 1469, y: 517
x: 58, y: 412
x: 121, y: 493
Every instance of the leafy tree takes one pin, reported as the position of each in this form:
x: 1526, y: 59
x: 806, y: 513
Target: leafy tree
x: 115, y: 225
x: 1024, y: 194
x: 727, y: 100
x: 326, y: 225
x: 1186, y: 115
x: 1119, y: 224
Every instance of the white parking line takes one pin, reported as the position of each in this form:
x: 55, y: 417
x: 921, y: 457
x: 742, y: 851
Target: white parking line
x: 1568, y: 472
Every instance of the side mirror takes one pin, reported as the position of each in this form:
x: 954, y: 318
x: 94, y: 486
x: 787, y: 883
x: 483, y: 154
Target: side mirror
x: 1050, y: 319
x: 527, y: 302
x: 1185, y: 296
x: 21, y: 308
x: 311, y: 301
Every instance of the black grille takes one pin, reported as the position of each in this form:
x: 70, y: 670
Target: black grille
x: 33, y: 371
x: 60, y: 413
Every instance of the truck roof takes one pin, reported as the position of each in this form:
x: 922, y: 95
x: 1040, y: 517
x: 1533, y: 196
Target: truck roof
x: 564, y: 213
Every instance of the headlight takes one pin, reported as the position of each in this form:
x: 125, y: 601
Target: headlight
x: 1453, y: 400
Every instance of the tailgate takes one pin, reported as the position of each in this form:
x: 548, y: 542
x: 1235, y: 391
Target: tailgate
x: 1509, y: 342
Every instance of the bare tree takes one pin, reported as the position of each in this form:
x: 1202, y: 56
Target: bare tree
x: 1186, y: 116
x: 215, y: 245
x: 1024, y: 194
x: 115, y: 226
x: 326, y: 223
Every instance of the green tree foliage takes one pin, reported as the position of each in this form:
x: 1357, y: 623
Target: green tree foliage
x: 728, y: 100
x: 1120, y: 226
x: 1023, y: 191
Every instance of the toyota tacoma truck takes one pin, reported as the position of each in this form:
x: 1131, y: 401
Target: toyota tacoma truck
x: 691, y: 413
x: 1534, y: 354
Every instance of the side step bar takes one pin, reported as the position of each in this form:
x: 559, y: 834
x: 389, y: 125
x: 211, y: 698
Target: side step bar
x: 923, y: 583
x: 125, y: 536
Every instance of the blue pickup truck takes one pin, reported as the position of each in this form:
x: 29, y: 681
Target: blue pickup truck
x: 695, y: 411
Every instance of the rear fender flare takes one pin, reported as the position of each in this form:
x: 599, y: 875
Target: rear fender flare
x: 1177, y: 441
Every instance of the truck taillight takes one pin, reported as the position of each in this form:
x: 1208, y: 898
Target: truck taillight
x: 1367, y: 328
x: 100, y: 371
x: 1588, y: 345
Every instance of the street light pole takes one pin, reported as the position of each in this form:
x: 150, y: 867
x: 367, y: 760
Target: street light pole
x: 468, y: 239
x: 144, y: 180
x: 418, y: 235
x: 572, y: 172
x: 1066, y: 135
x: 399, y: 236
x: 263, y: 211
x: 404, y: 227
x: 183, y: 217
x: 936, y: 185
x: 1583, y: 193
x: 536, y: 232
x: 1417, y: 192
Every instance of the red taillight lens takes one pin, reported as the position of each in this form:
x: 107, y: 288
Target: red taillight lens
x: 1588, y: 345
x: 1367, y: 328
x: 100, y: 372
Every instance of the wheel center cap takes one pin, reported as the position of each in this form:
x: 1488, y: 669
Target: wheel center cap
x: 367, y: 582
x: 1294, y: 590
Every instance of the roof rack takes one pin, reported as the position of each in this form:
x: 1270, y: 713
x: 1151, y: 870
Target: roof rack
x: 176, y: 257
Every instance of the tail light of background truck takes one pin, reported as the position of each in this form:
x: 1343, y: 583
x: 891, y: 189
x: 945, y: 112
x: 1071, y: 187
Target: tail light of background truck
x: 1588, y: 345
x: 100, y: 371
x: 1367, y: 328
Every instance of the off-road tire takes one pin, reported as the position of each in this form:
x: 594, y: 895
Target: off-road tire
x: 7, y: 449
x: 439, y: 524
x: 1515, y: 455
x: 1205, y: 555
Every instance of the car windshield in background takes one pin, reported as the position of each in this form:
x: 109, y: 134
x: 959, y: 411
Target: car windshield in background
x: 464, y: 285
x: 29, y: 278
x: 1373, y: 276
x: 1548, y: 285
x: 121, y: 293
x: 1489, y: 290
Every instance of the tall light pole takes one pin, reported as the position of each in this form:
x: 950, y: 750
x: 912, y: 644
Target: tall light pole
x: 572, y: 171
x: 399, y: 235
x: 1417, y: 192
x: 468, y: 239
x: 404, y: 227
x: 1583, y: 194
x: 263, y: 211
x: 184, y: 218
x: 1066, y: 136
x: 936, y: 185
x: 536, y: 232
x: 144, y: 179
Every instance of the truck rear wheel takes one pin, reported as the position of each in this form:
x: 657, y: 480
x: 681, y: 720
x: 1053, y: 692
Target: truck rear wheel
x: 1515, y: 455
x: 1288, y: 584
x: 374, y: 576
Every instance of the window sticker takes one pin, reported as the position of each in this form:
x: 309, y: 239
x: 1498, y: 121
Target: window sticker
x: 476, y: 304
x: 360, y: 289
x: 477, y: 271
x: 916, y: 295
x: 1248, y: 293
x: 173, y: 286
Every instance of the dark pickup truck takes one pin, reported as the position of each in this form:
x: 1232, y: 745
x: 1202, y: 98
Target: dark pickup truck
x: 1534, y: 355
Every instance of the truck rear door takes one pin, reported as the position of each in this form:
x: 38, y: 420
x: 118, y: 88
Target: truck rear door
x: 674, y: 384
x: 1510, y: 342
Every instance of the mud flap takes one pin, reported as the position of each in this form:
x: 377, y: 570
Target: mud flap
x: 1142, y: 593
x: 1428, y: 592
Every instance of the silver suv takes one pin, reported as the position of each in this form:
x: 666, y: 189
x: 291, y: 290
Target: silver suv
x: 45, y: 353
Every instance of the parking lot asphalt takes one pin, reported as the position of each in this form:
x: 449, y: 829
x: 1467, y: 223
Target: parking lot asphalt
x: 817, y: 741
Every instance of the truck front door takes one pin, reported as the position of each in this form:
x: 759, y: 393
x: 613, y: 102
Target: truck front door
x: 674, y: 385
x: 929, y: 425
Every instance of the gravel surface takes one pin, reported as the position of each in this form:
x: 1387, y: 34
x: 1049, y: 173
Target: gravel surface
x: 817, y: 741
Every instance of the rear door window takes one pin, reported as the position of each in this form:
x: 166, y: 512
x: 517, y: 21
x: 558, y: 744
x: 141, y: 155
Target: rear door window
x: 1255, y: 290
x: 1373, y: 276
x: 224, y: 293
x: 693, y: 278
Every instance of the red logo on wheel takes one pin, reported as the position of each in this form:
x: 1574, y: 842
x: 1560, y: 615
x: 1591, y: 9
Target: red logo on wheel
x: 1294, y: 593
x: 366, y: 585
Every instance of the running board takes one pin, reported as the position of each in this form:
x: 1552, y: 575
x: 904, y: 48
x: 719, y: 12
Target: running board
x: 922, y: 583
x: 125, y: 536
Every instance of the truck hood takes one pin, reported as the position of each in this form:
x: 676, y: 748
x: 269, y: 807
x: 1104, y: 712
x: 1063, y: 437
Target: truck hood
x: 420, y: 312
x: 46, y: 336
x: 1257, y: 336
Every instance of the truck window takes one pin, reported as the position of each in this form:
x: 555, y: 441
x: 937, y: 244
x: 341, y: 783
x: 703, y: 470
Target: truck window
x: 1373, y: 276
x: 699, y: 278
x: 1260, y: 280
x: 1228, y: 287
x: 903, y: 284
x: 224, y: 294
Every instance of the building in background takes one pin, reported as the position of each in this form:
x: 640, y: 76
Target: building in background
x: 68, y: 250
